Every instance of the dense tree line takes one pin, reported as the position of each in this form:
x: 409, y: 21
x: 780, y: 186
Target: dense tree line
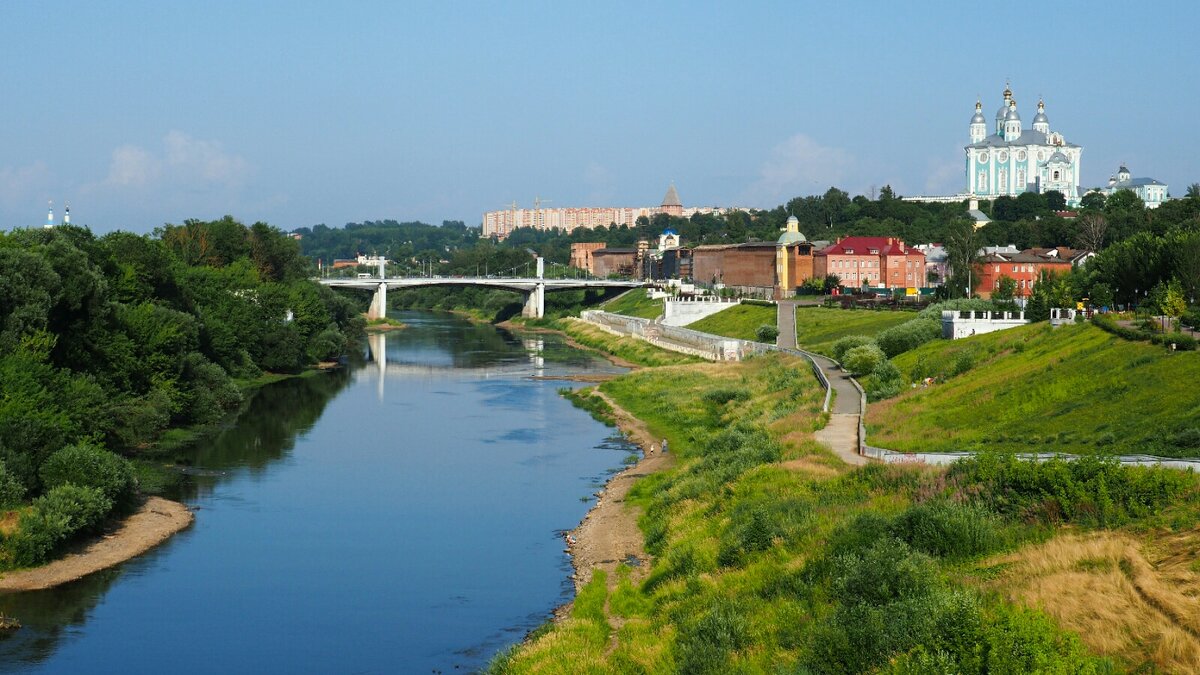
x: 106, y: 342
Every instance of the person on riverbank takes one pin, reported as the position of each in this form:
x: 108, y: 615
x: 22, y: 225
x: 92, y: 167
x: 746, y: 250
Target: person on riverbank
x: 664, y: 446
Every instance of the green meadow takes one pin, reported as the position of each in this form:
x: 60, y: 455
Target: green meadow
x: 1073, y: 389
x: 739, y: 321
x: 817, y: 328
x: 634, y: 303
x: 633, y: 350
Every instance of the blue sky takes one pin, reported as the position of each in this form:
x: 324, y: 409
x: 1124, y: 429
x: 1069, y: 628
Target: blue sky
x: 141, y: 113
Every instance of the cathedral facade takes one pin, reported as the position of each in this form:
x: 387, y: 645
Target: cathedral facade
x: 1007, y: 159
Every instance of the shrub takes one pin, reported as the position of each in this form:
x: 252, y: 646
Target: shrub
x: 767, y: 333
x: 87, y: 465
x: 934, y: 311
x: 847, y: 343
x: 885, y: 382
x: 56, y: 516
x: 864, y: 359
x: 1089, y: 490
x: 908, y: 335
x: 12, y: 491
x: 963, y: 361
x: 948, y: 530
x: 705, y: 645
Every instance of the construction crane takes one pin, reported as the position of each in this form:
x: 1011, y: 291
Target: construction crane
x: 537, y: 211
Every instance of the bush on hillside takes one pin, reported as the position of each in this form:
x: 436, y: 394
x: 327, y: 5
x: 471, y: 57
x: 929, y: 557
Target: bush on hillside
x: 1089, y: 490
x: 767, y: 333
x: 56, y: 516
x: 849, y: 342
x: 949, y: 530
x: 935, y: 310
x: 908, y: 335
x: 90, y: 466
x: 863, y: 360
x: 885, y: 382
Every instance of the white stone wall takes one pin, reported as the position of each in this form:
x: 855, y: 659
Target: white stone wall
x: 957, y: 325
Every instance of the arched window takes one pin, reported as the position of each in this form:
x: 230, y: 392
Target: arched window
x: 981, y: 184
x: 1056, y: 175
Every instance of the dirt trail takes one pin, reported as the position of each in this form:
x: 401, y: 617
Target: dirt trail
x: 148, y: 527
x: 609, y: 534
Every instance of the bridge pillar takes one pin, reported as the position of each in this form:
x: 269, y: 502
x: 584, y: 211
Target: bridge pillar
x: 378, y: 308
x: 535, y: 303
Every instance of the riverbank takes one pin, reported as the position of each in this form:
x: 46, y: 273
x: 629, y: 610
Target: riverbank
x: 149, y: 526
x: 609, y: 535
x: 571, y: 342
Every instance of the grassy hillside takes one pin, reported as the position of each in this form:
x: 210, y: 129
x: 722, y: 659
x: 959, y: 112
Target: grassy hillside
x: 739, y: 321
x: 771, y: 556
x: 633, y: 350
x: 634, y: 303
x: 817, y: 328
x: 1073, y: 389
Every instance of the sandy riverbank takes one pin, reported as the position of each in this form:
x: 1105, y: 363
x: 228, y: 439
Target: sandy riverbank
x: 148, y: 527
x: 609, y: 534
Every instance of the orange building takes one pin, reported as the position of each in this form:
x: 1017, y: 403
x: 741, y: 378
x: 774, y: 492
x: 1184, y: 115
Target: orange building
x: 1024, y: 268
x: 879, y: 262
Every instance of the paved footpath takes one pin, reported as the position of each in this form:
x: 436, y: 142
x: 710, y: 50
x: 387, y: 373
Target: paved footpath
x: 841, y: 434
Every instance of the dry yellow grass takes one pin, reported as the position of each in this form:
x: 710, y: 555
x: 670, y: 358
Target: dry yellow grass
x: 1127, y: 601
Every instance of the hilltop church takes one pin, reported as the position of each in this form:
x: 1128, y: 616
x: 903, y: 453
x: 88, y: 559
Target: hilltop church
x: 1011, y: 159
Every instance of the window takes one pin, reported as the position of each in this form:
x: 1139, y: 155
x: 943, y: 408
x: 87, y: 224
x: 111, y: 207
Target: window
x: 1056, y: 174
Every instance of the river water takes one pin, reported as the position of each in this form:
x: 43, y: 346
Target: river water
x: 404, y: 514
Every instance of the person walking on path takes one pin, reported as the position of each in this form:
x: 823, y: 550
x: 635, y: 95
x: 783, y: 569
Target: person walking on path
x: 664, y: 446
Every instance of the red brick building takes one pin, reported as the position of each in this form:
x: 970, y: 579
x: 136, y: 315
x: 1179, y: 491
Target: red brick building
x: 614, y: 261
x: 746, y: 267
x: 1024, y: 268
x: 878, y: 262
x: 581, y: 254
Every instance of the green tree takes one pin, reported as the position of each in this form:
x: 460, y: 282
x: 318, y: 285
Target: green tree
x: 1005, y: 292
x: 962, y: 251
x: 1093, y: 201
x: 1055, y: 200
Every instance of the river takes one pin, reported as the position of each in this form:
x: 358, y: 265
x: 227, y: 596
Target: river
x: 403, y: 514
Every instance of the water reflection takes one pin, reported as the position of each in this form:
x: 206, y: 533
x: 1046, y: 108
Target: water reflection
x: 410, y: 501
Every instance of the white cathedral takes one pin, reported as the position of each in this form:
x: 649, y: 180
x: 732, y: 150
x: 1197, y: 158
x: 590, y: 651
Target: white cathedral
x: 1012, y: 160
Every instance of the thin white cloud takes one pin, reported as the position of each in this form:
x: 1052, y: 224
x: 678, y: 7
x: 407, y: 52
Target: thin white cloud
x: 799, y: 166
x: 134, y: 167
x: 205, y: 160
x: 183, y: 161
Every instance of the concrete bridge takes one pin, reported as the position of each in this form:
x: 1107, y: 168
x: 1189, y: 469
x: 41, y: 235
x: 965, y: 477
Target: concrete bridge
x: 535, y: 289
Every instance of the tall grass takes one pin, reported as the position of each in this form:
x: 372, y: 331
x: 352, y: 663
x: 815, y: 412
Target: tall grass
x: 1073, y: 389
x: 635, y: 303
x: 817, y: 328
x: 740, y: 321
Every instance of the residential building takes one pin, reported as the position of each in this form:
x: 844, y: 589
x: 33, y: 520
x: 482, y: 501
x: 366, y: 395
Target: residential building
x: 1024, y: 267
x: 877, y: 262
x: 1149, y: 190
x: 937, y: 263
x: 501, y: 223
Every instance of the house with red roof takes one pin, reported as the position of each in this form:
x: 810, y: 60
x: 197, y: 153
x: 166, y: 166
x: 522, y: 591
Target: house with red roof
x: 878, y: 262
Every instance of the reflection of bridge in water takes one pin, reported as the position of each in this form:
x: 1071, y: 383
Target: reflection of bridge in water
x: 534, y: 289
x: 377, y: 346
